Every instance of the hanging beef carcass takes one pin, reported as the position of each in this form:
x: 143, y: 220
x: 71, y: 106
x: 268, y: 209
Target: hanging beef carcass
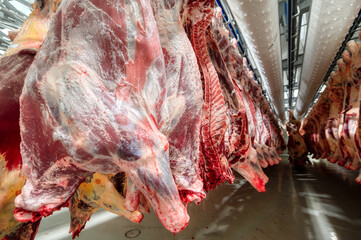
x: 335, y: 84
x: 237, y: 67
x: 240, y: 154
x: 14, y: 66
x: 115, y: 124
x: 267, y: 142
x: 308, y: 136
x: 257, y: 98
x: 214, y: 165
x: 349, y: 116
x: 342, y: 127
x: 184, y: 97
x: 323, y: 112
x: 241, y: 76
x: 352, y: 125
x: 297, y: 148
x: 315, y: 125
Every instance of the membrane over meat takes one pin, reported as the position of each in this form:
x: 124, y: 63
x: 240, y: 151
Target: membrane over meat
x: 92, y: 103
x: 131, y: 104
x: 14, y: 65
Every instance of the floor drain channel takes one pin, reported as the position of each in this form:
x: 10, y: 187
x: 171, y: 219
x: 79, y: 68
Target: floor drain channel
x: 132, y: 233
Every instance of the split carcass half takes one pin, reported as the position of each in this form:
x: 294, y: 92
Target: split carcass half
x: 297, y: 148
x: 16, y: 61
x: 116, y: 75
x: 342, y: 127
x: 214, y: 165
x: 336, y: 93
x: 185, y: 100
x: 120, y: 99
x: 349, y: 117
x: 238, y: 145
x: 258, y: 115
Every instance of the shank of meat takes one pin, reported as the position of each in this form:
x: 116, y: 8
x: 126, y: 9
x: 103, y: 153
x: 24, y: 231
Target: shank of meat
x: 98, y: 191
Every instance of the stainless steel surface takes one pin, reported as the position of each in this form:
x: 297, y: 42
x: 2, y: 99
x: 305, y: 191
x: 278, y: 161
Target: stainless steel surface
x: 322, y: 202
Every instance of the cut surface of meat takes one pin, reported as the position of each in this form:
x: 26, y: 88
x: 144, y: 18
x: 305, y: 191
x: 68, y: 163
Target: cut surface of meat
x: 214, y: 167
x: 13, y: 71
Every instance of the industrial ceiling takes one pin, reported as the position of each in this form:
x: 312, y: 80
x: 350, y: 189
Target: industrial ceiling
x: 316, y: 33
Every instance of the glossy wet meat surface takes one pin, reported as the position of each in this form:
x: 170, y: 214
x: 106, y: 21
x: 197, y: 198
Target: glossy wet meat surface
x: 321, y: 202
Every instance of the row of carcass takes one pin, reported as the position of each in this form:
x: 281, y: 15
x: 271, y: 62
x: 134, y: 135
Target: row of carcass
x: 125, y: 106
x: 332, y: 128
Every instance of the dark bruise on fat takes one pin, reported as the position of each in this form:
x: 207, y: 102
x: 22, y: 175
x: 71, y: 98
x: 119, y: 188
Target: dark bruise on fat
x: 128, y: 149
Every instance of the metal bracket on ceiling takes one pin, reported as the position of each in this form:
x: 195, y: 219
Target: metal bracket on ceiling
x: 291, y: 11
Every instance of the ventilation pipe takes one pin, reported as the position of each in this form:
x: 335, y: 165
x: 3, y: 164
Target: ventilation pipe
x: 263, y: 41
x: 329, y: 23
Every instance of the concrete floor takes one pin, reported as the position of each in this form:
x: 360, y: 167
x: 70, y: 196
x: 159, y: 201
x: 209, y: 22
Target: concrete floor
x: 322, y: 202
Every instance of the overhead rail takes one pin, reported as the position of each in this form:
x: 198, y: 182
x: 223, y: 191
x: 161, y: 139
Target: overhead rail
x: 232, y: 25
x: 263, y: 42
x: 293, y: 32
